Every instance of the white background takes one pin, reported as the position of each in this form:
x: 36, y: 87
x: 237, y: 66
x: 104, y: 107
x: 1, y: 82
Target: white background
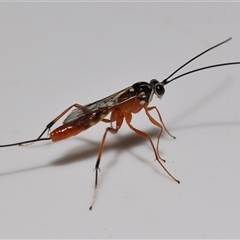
x: 56, y: 54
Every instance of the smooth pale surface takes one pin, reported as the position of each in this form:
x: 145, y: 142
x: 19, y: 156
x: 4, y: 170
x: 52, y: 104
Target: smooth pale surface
x: 56, y: 54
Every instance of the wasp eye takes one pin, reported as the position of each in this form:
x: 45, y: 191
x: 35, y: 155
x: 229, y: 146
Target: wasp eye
x: 159, y: 90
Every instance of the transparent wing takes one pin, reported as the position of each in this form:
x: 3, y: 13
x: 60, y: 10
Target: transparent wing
x: 75, y: 114
x: 102, y: 106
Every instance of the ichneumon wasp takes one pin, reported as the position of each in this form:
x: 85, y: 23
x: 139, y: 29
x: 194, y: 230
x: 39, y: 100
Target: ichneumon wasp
x: 120, y: 106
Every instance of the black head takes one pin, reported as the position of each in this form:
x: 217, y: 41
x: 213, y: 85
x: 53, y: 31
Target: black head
x: 158, y: 87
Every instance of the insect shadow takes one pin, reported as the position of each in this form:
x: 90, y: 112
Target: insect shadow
x: 91, y: 148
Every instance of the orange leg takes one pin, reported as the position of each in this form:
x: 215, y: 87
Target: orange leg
x: 117, y: 117
x: 108, y: 121
x: 160, y: 125
x: 128, y: 118
x: 58, y: 117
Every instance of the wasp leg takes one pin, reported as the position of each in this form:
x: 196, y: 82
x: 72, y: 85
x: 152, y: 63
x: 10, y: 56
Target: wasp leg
x: 128, y: 118
x: 161, y: 125
x: 117, y: 117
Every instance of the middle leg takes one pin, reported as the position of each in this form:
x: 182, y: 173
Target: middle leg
x: 117, y: 117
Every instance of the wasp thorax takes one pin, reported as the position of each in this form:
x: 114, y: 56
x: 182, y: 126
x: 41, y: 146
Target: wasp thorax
x: 143, y: 90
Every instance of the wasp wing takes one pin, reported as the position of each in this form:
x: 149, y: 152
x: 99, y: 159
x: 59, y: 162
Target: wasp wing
x: 103, y: 106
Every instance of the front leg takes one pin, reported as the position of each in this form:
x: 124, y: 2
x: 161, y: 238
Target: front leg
x: 158, y: 124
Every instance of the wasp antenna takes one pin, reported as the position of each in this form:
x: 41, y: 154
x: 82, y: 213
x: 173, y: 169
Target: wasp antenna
x: 25, y: 142
x: 200, y: 69
x: 165, y: 80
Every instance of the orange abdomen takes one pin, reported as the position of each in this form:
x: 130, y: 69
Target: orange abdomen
x: 64, y: 132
